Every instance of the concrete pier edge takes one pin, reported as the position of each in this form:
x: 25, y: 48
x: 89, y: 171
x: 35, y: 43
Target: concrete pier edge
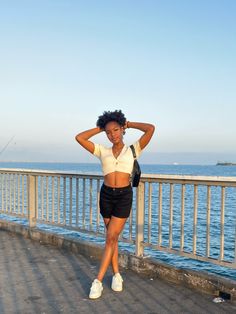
x: 202, y: 281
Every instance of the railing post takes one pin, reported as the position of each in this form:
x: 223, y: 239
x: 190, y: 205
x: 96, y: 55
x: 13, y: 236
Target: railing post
x: 139, y: 219
x: 32, y: 201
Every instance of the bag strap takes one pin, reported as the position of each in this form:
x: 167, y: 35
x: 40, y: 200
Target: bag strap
x: 133, y: 151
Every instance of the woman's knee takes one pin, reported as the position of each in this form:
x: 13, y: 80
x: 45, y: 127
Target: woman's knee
x: 112, y: 238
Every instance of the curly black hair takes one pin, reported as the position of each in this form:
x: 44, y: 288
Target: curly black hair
x: 109, y: 116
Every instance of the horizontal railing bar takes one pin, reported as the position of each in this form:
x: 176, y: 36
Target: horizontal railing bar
x: 189, y: 255
x: 165, y: 178
x: 85, y: 231
x: 49, y: 173
x: 126, y: 240
x: 68, y: 227
x: 189, y: 178
x: 19, y: 215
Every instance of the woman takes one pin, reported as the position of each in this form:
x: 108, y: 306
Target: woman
x: 116, y: 192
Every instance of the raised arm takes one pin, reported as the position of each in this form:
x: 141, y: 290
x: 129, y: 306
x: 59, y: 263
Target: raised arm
x: 147, y: 128
x: 83, y: 138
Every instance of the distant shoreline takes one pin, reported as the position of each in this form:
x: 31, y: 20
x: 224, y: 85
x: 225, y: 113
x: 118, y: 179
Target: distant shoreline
x: 175, y: 164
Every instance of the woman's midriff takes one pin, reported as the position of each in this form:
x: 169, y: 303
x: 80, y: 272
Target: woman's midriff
x: 117, y: 179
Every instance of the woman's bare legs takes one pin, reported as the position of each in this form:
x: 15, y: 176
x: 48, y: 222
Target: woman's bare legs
x: 114, y: 259
x: 115, y: 226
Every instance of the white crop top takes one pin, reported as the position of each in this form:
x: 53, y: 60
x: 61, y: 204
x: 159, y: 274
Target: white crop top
x: 123, y: 163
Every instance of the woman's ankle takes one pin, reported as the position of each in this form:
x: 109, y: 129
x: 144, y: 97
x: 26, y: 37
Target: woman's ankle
x: 99, y: 278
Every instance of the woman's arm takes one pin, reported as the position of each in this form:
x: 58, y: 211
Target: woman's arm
x: 83, y: 138
x: 147, y: 128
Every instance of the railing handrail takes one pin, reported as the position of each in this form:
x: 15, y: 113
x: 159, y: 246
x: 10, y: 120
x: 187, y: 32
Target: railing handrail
x: 51, y: 172
x: 144, y: 176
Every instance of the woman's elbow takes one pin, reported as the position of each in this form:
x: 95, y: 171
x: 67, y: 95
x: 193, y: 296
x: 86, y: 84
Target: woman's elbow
x: 77, y: 138
x: 152, y: 128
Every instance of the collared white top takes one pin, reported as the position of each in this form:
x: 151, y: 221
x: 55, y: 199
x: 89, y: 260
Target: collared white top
x: 123, y: 163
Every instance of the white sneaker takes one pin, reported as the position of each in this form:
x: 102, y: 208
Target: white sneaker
x: 96, y: 289
x: 117, y: 282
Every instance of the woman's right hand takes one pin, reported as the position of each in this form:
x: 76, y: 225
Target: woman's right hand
x: 83, y: 138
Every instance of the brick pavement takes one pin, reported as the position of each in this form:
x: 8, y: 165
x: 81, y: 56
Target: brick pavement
x: 40, y: 278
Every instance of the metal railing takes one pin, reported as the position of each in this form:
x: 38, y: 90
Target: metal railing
x: 190, y: 216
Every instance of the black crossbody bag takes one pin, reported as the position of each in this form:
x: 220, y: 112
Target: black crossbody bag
x: 136, y: 172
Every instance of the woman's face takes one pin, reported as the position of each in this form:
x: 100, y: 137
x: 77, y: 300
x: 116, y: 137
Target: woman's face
x: 114, y: 132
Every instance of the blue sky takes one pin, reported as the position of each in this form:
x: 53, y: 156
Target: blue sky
x: 171, y: 63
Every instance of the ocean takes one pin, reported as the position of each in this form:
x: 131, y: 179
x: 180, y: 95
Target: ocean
x: 204, y: 170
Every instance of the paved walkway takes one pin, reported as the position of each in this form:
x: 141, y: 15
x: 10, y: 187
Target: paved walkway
x: 38, y: 278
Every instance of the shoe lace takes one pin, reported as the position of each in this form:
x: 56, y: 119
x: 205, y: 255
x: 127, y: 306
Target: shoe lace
x: 118, y: 277
x: 95, y: 284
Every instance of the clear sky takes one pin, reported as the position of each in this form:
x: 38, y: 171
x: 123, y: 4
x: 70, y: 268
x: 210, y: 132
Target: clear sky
x: 168, y: 62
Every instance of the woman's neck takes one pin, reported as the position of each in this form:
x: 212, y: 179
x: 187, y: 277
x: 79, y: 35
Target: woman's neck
x: 118, y: 145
